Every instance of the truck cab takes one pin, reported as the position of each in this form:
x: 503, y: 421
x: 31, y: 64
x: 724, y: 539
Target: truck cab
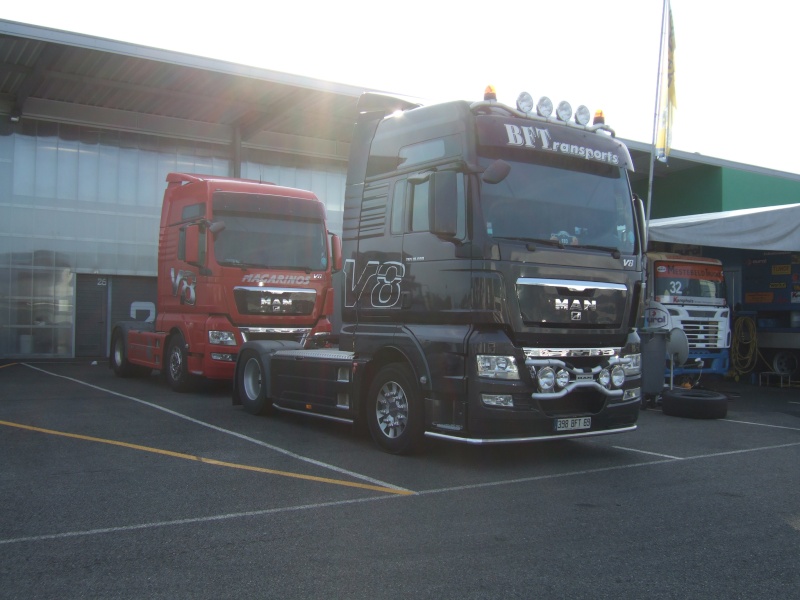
x: 492, y: 281
x: 238, y: 260
x: 692, y: 290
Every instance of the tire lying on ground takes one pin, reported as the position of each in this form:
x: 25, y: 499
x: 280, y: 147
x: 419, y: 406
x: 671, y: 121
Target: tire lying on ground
x: 694, y: 404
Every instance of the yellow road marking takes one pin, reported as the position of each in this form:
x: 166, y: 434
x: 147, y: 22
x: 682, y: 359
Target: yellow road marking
x: 8, y: 365
x: 210, y: 461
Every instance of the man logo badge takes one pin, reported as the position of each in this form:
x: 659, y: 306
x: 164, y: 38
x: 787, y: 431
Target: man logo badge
x: 575, y: 315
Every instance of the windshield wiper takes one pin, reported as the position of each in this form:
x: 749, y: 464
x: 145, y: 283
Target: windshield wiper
x: 614, y: 251
x: 531, y: 242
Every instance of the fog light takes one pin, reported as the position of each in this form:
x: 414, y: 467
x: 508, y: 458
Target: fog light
x: 222, y: 357
x: 497, y: 400
x: 632, y: 394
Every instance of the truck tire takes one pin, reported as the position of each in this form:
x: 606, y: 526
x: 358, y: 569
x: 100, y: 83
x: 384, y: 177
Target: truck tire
x: 119, y: 357
x: 251, y: 384
x: 394, y: 411
x: 694, y: 404
x: 784, y: 362
x: 177, y: 369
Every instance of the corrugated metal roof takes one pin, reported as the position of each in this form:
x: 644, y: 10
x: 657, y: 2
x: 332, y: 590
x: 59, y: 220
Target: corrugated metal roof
x: 63, y: 76
x: 56, y: 75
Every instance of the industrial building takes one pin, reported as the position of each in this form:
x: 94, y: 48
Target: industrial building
x: 89, y: 128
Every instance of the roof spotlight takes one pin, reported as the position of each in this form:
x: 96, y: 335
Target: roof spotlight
x: 525, y: 102
x: 544, y: 108
x: 564, y: 111
x: 582, y: 115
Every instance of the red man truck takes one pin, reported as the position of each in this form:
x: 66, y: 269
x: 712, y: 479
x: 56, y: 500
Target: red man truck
x: 238, y: 261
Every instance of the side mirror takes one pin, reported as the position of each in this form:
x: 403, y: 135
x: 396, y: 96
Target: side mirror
x: 444, y: 204
x: 216, y: 227
x: 641, y: 221
x: 496, y: 172
x: 192, y: 245
x: 336, y: 253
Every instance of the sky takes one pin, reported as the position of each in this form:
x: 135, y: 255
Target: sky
x: 731, y: 58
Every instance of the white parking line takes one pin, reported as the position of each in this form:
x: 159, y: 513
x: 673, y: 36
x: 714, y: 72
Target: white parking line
x: 228, y: 432
x: 210, y: 519
x: 646, y: 452
x: 761, y: 424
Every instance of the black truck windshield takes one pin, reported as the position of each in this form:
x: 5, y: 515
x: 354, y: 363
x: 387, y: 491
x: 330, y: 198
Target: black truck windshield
x: 558, y: 200
x: 275, y: 241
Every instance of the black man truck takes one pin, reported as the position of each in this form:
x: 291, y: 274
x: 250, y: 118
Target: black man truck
x: 492, y: 281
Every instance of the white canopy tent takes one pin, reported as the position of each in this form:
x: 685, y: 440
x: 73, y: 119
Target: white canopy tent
x: 766, y: 228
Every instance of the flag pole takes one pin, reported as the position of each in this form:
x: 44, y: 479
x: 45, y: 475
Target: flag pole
x: 656, y: 111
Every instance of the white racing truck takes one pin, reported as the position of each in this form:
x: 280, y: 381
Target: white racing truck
x: 692, y: 290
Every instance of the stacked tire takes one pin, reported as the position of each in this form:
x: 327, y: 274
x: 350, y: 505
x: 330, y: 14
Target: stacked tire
x: 694, y: 403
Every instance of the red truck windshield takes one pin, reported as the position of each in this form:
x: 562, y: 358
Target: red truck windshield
x: 277, y: 242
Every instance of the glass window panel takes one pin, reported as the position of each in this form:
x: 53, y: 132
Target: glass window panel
x: 108, y: 164
x: 149, y: 190
x: 24, y: 165
x: 46, y: 162
x: 67, y: 176
x: 128, y: 175
x: 88, y: 167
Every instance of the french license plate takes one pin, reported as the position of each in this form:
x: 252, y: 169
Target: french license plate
x: 573, y: 424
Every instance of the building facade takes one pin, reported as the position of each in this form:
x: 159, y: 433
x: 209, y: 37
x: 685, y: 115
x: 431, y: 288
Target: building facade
x: 89, y: 129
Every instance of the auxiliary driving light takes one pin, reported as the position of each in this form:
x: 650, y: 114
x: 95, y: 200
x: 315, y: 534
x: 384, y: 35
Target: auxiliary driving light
x: 546, y: 378
x: 564, y: 111
x: 562, y: 378
x: 525, y: 102
x: 582, y: 115
x: 617, y: 376
x: 544, y: 108
x: 604, y: 378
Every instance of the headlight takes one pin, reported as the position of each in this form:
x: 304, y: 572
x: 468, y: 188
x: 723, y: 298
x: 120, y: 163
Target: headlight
x: 221, y: 338
x: 546, y: 378
x: 617, y: 376
x: 497, y: 367
x: 634, y: 367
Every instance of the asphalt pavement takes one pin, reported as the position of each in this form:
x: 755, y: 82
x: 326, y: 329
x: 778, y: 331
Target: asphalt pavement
x: 121, y: 488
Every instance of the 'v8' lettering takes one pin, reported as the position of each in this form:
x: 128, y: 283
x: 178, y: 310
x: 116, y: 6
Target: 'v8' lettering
x: 380, y: 280
x: 183, y: 285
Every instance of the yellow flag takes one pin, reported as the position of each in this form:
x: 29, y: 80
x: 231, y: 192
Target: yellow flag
x: 667, y: 101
